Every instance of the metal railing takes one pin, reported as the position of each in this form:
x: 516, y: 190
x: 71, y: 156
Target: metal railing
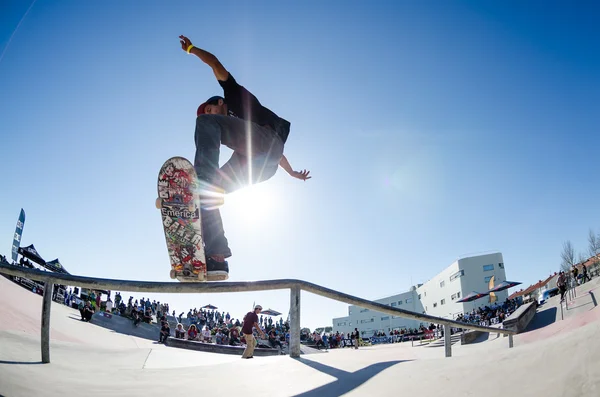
x: 295, y: 287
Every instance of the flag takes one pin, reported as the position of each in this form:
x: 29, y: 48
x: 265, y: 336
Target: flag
x: 17, y: 237
x: 492, y: 294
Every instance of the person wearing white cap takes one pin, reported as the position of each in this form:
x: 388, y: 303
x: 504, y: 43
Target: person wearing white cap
x: 250, y: 322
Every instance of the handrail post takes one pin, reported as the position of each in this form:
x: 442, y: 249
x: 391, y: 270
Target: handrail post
x: 447, y: 340
x: 295, y: 321
x: 510, y: 341
x: 46, y: 307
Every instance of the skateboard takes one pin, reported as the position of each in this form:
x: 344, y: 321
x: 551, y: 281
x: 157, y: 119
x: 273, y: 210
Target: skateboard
x: 179, y: 204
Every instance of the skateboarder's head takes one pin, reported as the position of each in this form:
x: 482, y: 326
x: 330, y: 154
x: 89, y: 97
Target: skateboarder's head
x: 214, y: 105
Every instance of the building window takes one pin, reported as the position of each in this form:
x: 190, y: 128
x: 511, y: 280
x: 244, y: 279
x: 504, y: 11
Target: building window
x: 487, y: 268
x: 364, y: 310
x: 442, y: 283
x: 453, y: 297
x: 443, y: 302
x: 399, y: 303
x: 456, y: 275
x: 409, y: 300
x: 393, y: 304
x: 458, y: 294
x: 487, y: 279
x: 419, y: 296
x: 501, y: 265
x: 435, y: 304
x: 385, y: 318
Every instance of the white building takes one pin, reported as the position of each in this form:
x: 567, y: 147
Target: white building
x: 437, y: 297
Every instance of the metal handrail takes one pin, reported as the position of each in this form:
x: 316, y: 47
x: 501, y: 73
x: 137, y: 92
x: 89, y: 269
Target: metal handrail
x: 234, y: 286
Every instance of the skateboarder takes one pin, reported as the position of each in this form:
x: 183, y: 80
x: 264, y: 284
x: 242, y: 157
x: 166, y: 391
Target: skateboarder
x: 254, y: 133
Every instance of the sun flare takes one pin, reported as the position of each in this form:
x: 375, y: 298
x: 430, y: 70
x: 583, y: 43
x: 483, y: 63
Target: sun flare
x: 251, y: 204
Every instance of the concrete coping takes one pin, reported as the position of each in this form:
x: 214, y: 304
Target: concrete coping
x: 214, y: 348
x: 520, y: 318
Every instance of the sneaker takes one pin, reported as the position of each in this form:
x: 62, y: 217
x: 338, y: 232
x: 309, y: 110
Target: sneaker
x: 216, y: 271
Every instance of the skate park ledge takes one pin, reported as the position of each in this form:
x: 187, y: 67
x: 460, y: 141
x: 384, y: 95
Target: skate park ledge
x: 520, y: 318
x: 214, y: 348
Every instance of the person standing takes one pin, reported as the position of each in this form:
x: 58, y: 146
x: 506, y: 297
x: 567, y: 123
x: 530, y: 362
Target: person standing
x: 250, y: 322
x: 584, y: 273
x: 561, y: 283
x: 356, y: 337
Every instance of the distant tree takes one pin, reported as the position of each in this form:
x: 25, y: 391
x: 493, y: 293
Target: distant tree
x: 567, y: 256
x: 594, y: 248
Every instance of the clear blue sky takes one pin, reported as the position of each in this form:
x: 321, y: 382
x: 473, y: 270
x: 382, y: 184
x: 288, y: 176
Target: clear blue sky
x: 433, y: 130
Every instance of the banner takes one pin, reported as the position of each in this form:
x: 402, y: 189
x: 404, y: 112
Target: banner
x: 18, y: 233
x: 492, y: 295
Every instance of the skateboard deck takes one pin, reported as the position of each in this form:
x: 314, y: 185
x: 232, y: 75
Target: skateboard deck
x: 179, y: 206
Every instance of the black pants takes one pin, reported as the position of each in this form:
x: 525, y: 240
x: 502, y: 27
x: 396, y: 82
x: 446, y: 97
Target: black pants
x: 162, y: 338
x: 257, y: 151
x: 87, y: 315
x: 562, y: 290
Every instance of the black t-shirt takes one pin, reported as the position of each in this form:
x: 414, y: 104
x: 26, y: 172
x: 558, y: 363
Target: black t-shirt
x: 249, y: 321
x: 242, y: 104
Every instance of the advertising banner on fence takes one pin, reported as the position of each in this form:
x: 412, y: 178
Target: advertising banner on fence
x: 18, y: 233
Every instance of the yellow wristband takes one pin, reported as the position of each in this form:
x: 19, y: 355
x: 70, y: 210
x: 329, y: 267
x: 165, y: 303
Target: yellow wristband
x: 190, y: 48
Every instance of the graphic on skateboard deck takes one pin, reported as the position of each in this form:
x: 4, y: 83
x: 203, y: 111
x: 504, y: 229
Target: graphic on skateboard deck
x: 179, y: 205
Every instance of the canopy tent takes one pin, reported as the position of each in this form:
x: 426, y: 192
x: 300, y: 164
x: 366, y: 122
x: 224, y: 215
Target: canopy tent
x: 209, y: 307
x: 56, y: 267
x: 31, y: 253
x: 270, y: 312
x: 472, y: 296
x: 504, y: 285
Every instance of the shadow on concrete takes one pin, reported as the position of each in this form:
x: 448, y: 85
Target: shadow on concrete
x: 20, y: 363
x: 542, y: 319
x: 345, y: 381
x: 441, y: 344
x: 484, y: 337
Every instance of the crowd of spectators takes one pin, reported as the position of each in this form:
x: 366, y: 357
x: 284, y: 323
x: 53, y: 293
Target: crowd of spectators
x: 211, y: 326
x: 490, y: 315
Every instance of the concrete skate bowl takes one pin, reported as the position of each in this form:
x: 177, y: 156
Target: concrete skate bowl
x: 97, y: 361
x: 295, y: 287
x: 124, y: 325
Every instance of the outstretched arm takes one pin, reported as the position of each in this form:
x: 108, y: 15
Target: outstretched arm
x: 285, y: 164
x: 220, y: 72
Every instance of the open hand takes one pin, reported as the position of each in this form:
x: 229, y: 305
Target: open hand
x: 185, y: 42
x: 303, y: 175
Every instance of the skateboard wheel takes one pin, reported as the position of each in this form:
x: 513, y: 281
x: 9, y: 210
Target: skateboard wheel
x: 173, y: 274
x: 158, y: 203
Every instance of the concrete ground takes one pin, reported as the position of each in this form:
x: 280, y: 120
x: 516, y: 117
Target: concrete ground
x: 554, y: 358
